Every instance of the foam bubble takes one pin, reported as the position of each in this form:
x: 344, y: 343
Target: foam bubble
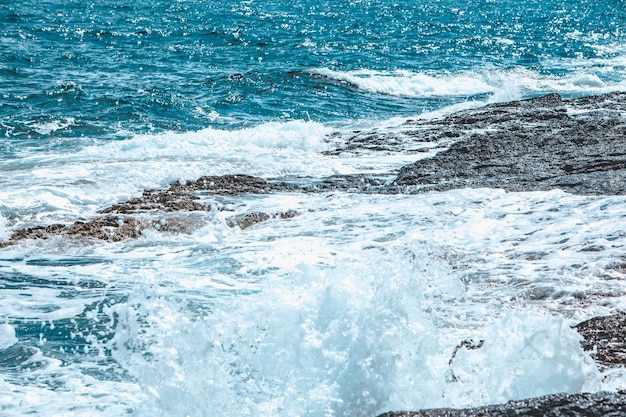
x: 7, y: 336
x: 4, y: 232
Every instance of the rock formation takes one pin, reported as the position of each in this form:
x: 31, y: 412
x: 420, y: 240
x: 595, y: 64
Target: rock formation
x: 127, y: 220
x: 606, y: 338
x: 577, y: 145
x: 558, y: 405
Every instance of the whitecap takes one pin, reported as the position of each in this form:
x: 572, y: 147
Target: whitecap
x: 4, y: 231
x: 402, y: 83
x: 7, y: 336
x: 498, y: 84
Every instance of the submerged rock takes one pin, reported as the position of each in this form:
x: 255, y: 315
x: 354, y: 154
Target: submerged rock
x: 577, y: 145
x: 557, y: 405
x: 250, y: 219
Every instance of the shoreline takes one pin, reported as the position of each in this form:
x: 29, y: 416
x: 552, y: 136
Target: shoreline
x: 576, y: 145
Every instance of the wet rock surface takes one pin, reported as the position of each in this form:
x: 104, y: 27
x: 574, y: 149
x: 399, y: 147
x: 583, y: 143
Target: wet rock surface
x: 111, y: 228
x: 606, y: 338
x: 577, y: 145
x: 231, y: 185
x: 182, y: 197
x: 127, y: 220
x: 558, y: 405
x: 158, y: 200
x: 250, y: 219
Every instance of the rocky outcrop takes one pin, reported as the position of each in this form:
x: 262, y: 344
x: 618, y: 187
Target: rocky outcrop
x: 231, y: 185
x: 111, y: 228
x: 538, y: 144
x: 182, y: 197
x: 605, y: 337
x: 247, y: 220
x: 577, y: 145
x: 128, y: 219
x: 558, y: 405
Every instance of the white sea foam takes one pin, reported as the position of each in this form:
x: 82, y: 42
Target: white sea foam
x: 81, y: 182
x: 403, y: 83
x: 355, y: 316
x: 7, y: 336
x: 355, y: 305
x: 523, y: 355
x: 45, y: 128
x: 4, y: 232
x: 500, y: 84
x: 348, y: 340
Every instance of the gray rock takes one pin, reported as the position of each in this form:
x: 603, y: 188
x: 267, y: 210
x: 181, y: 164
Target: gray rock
x: 543, y: 143
x: 557, y: 405
x: 250, y: 219
x: 606, y: 338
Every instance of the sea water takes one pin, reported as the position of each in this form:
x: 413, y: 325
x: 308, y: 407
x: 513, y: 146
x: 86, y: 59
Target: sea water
x: 357, y: 305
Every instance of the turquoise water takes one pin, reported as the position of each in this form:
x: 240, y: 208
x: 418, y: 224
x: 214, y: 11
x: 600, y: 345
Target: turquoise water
x: 354, y: 306
x: 165, y: 65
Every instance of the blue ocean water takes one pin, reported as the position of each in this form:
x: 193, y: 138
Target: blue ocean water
x: 165, y: 65
x: 351, y: 308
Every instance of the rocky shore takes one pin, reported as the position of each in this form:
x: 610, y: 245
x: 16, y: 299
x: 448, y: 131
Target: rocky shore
x: 558, y: 405
x: 532, y: 145
x: 543, y: 143
x: 538, y: 144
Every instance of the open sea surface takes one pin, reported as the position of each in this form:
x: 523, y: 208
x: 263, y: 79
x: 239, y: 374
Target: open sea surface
x: 355, y: 306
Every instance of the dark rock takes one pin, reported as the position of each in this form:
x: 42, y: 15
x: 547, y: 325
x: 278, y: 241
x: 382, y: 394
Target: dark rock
x: 112, y: 228
x: 349, y: 183
x: 107, y: 228
x: 230, y: 185
x: 543, y: 143
x: 606, y: 337
x: 250, y: 219
x: 152, y: 200
x: 557, y: 405
x: 116, y: 224
x: 181, y: 197
x: 247, y: 220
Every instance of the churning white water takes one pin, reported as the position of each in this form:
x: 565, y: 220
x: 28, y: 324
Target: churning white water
x: 355, y: 306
